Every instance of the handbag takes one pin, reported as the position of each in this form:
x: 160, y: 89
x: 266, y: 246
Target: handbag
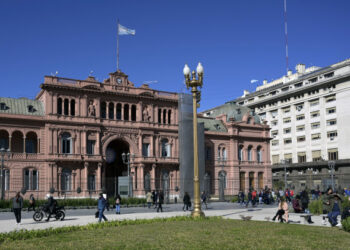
x: 97, y: 214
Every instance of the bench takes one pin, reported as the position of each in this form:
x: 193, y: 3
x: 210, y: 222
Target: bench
x: 305, y: 217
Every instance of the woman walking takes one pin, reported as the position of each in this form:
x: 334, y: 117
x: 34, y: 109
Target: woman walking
x: 17, y: 204
x: 117, y: 204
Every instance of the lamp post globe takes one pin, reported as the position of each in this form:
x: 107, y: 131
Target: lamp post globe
x: 186, y: 70
x: 199, y: 68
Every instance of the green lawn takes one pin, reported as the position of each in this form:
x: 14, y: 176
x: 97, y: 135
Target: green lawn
x: 211, y: 233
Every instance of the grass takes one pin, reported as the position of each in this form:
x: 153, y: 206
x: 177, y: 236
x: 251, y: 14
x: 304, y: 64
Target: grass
x: 213, y: 233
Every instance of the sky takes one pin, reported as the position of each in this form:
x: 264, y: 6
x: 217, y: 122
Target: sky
x: 235, y: 40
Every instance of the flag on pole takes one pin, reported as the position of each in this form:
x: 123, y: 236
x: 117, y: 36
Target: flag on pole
x: 125, y: 31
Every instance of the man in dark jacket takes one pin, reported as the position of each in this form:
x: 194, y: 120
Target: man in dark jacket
x: 336, y: 209
x: 101, y: 206
x: 50, y: 205
x: 160, y: 201
x: 187, y: 201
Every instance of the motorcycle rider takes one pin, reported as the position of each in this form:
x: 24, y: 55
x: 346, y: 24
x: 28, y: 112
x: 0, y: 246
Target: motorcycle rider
x: 50, y: 205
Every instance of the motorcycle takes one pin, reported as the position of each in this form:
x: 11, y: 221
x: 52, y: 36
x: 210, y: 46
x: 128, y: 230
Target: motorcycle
x: 58, y: 213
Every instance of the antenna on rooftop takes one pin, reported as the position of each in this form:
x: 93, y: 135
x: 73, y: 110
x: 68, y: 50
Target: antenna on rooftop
x: 286, y: 33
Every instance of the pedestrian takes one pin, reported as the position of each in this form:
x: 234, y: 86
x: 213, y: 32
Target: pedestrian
x: 107, y: 201
x: 117, y: 204
x: 17, y: 204
x: 249, y: 198
x: 155, y: 199
x: 160, y: 201
x: 241, y: 197
x: 336, y: 209
x: 282, y: 210
x: 326, y: 206
x: 187, y: 201
x: 296, y: 205
x: 149, y: 199
x: 31, y: 202
x: 50, y: 205
x: 204, y: 199
x: 254, y: 194
x: 101, y: 206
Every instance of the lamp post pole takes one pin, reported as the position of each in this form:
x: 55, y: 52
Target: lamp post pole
x: 331, y: 165
x: 126, y: 160
x: 285, y: 174
x: 194, y: 83
x: 3, y: 152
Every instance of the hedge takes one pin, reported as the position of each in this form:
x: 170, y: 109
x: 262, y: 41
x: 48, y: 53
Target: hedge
x: 5, y: 204
x: 316, y: 206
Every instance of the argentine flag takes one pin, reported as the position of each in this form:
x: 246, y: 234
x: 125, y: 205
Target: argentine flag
x: 125, y: 31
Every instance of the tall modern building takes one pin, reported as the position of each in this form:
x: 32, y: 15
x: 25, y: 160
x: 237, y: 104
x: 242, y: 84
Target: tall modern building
x: 308, y: 112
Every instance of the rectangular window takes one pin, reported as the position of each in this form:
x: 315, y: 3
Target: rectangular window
x: 300, y: 128
x: 286, y: 110
x: 90, y: 147
x: 333, y: 154
x: 145, y: 149
x: 288, y: 141
x: 275, y: 159
x: 316, y: 155
x: 273, y: 113
x: 315, y: 125
x: 316, y: 137
x: 287, y: 120
x: 313, y: 80
x: 274, y: 133
x: 330, y: 111
x: 91, y: 182
x: 301, y: 139
x: 315, y: 114
x: 301, y: 157
x: 299, y: 106
x: 285, y: 89
x: 332, y: 134
x: 331, y: 122
x: 328, y: 75
x: 288, y: 158
x: 287, y: 130
x: 274, y: 143
x: 314, y: 103
x: 330, y: 98
x: 298, y: 85
x: 300, y: 117
x: 274, y: 123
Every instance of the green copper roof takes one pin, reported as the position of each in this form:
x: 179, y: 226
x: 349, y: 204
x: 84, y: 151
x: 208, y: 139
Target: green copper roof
x: 232, y: 110
x: 21, y: 106
x: 212, y: 125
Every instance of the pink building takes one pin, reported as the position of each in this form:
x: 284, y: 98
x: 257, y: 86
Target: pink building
x: 69, y: 140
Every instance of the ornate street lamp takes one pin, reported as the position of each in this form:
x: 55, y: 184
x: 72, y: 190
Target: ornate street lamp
x: 194, y: 83
x: 127, y: 161
x: 2, y: 187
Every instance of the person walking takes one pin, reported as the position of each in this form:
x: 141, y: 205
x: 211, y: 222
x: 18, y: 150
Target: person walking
x: 31, y: 202
x: 149, y: 199
x: 249, y: 198
x: 241, y: 198
x: 155, y: 199
x: 17, y: 205
x: 186, y: 201
x: 204, y: 199
x: 336, y: 209
x: 326, y: 206
x: 101, y: 206
x: 118, y: 200
x: 107, y: 201
x: 160, y: 201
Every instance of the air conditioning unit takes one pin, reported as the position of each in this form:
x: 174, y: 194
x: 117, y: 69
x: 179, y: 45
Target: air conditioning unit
x: 332, y: 138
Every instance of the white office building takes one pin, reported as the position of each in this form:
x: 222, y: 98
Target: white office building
x: 309, y: 115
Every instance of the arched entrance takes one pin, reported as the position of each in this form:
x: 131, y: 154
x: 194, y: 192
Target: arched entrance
x: 114, y: 165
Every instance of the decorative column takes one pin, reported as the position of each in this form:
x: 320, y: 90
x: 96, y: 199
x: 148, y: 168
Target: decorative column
x: 10, y: 146
x: 132, y: 170
x: 139, y: 112
x: 156, y: 153
x: 122, y: 108
x: 24, y: 144
x: 84, y: 142
x: 98, y: 177
x: 98, y: 135
x: 78, y: 142
x: 107, y: 110
x: 38, y: 146
x: 86, y: 173
x: 153, y: 177
x: 152, y: 146
x: 54, y: 104
x: 256, y: 180
x: 141, y: 177
x: 69, y: 108
x: 50, y: 133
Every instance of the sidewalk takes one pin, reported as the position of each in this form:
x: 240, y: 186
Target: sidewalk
x: 258, y: 214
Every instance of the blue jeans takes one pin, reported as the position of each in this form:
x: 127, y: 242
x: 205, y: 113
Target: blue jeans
x: 117, y: 208
x: 101, y: 215
x: 332, y: 217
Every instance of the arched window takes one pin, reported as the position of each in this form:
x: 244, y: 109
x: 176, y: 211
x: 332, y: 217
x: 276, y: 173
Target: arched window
x: 126, y: 112
x: 103, y: 110
x: 133, y: 112
x: 17, y: 142
x: 250, y: 149
x: 66, y: 180
x: 66, y: 143
x: 72, y: 107
x: 240, y: 152
x: 59, y: 106
x: 111, y: 111
x: 166, y: 148
x: 4, y: 139
x: 31, y: 143
x: 119, y: 111
x: 31, y: 179
x: 66, y: 106
x: 259, y: 154
x: 169, y: 116
x: 164, y: 116
x: 159, y: 116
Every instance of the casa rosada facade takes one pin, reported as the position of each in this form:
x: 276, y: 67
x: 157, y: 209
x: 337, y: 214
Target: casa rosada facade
x: 70, y: 139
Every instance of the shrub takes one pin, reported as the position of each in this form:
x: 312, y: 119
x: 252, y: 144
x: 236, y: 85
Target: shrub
x: 316, y: 206
x: 346, y: 224
x: 234, y: 198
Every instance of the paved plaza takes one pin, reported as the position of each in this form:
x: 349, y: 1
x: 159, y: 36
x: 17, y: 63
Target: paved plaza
x: 86, y: 216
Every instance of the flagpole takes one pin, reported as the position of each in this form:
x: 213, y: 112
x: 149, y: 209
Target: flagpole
x: 118, y: 45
